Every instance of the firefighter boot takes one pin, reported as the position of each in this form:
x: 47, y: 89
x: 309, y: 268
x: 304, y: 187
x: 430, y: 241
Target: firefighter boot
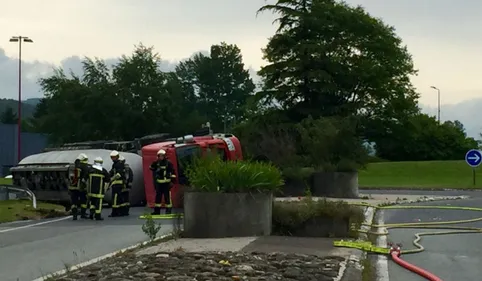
x: 91, y: 215
x: 168, y: 211
x: 157, y: 211
x: 98, y: 217
x: 83, y: 213
x: 114, y: 213
x: 74, y: 213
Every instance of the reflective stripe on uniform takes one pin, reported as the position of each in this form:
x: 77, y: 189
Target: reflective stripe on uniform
x: 114, y: 202
x: 117, y: 182
x: 163, y: 181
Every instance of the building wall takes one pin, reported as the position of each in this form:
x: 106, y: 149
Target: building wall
x: 31, y: 144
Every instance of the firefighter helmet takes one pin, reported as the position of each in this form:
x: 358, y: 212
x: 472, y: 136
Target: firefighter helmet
x: 98, y: 160
x: 161, y: 152
x: 114, y: 153
x: 121, y: 158
x: 82, y: 157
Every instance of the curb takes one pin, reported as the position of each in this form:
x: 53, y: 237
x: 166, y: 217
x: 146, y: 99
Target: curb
x: 98, y: 259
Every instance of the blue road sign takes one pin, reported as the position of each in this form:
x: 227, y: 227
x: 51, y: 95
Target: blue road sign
x: 473, y: 158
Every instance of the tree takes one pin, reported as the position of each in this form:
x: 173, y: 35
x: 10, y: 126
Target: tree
x: 331, y: 59
x: 132, y: 100
x: 8, y: 116
x: 218, y: 84
x: 422, y: 138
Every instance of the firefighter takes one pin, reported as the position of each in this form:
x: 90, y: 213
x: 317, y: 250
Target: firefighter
x: 84, y: 187
x: 77, y: 186
x: 98, y: 176
x: 117, y: 175
x: 163, y: 172
x: 127, y: 188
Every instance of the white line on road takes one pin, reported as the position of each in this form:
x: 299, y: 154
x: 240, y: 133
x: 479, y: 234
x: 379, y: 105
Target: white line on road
x: 34, y: 224
x: 95, y: 260
x: 382, y: 261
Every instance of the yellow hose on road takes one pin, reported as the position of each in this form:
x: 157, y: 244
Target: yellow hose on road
x: 368, y: 247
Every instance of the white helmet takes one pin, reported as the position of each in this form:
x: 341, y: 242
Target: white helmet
x: 161, y: 152
x: 114, y: 153
x: 121, y: 158
x: 82, y: 157
x: 98, y: 160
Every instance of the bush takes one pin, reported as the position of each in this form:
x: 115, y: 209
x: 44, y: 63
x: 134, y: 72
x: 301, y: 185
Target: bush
x: 290, y: 216
x: 211, y: 174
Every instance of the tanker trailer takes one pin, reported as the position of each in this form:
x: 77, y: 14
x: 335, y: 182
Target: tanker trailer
x: 47, y: 174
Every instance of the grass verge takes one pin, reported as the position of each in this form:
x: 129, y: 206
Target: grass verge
x: 4, y: 181
x: 420, y: 175
x: 290, y: 217
x: 15, y: 210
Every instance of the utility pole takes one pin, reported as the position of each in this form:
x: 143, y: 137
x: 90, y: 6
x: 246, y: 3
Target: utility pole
x: 19, y: 39
x: 438, y: 98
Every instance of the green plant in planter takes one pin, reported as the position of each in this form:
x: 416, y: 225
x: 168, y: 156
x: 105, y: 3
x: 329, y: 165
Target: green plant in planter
x: 211, y: 174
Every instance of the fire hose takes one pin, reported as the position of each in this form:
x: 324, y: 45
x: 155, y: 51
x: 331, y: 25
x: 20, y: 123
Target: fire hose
x: 396, y: 252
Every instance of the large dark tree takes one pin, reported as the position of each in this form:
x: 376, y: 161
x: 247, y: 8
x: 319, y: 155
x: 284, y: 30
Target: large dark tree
x: 330, y: 59
x: 219, y: 83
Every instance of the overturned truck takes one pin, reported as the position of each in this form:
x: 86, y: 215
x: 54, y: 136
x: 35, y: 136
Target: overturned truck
x: 48, y: 174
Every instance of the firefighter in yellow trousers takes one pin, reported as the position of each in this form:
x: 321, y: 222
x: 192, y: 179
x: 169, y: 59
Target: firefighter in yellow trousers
x: 98, y: 176
x: 78, y: 187
x: 117, y: 175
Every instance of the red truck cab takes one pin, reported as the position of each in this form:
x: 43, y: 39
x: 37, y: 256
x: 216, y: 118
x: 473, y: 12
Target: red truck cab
x: 180, y: 153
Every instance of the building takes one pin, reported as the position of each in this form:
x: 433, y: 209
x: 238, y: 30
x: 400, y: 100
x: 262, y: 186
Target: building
x: 31, y: 144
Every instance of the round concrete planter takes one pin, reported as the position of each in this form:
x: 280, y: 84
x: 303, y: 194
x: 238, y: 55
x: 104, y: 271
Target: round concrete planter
x: 216, y: 215
x: 335, y: 184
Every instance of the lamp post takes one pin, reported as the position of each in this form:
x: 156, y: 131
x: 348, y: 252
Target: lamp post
x: 20, y: 39
x: 438, y: 98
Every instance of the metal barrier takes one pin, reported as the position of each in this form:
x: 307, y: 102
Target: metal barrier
x: 30, y: 194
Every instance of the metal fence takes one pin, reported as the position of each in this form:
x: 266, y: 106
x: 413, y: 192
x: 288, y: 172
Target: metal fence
x: 8, y: 192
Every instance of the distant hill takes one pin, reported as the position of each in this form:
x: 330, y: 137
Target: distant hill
x: 28, y: 106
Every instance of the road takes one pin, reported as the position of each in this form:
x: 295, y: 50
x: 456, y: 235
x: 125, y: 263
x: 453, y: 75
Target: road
x: 29, y: 250
x: 450, y: 257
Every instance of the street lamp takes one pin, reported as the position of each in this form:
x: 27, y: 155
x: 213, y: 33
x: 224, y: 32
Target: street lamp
x: 438, y: 97
x: 19, y: 40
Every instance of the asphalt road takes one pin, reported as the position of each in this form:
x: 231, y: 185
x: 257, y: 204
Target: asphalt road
x: 28, y: 251
x: 450, y: 257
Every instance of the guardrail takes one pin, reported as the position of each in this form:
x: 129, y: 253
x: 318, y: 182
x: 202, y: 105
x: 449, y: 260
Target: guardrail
x: 30, y: 194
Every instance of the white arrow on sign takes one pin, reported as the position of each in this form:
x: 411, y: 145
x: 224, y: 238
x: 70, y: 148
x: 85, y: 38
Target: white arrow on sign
x: 475, y: 157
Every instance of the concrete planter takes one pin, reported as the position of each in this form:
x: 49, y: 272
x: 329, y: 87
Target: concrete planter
x: 217, y: 215
x: 335, y: 184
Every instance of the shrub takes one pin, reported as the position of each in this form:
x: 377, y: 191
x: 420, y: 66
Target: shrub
x: 211, y: 174
x: 290, y: 216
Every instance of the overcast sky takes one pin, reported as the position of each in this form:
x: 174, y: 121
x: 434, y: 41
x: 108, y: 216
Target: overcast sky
x: 444, y: 36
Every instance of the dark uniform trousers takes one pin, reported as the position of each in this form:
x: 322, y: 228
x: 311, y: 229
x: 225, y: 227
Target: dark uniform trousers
x: 125, y: 206
x: 163, y: 189
x: 96, y: 194
x: 117, y: 201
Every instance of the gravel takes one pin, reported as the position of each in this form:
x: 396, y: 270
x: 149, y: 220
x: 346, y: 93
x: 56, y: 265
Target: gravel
x: 180, y: 265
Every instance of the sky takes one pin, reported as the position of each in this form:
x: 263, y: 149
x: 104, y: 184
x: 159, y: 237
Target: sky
x: 443, y: 36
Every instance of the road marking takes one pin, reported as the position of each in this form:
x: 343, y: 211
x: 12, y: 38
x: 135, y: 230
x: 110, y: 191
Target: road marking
x: 95, y: 260
x: 35, y: 224
x: 382, y: 260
